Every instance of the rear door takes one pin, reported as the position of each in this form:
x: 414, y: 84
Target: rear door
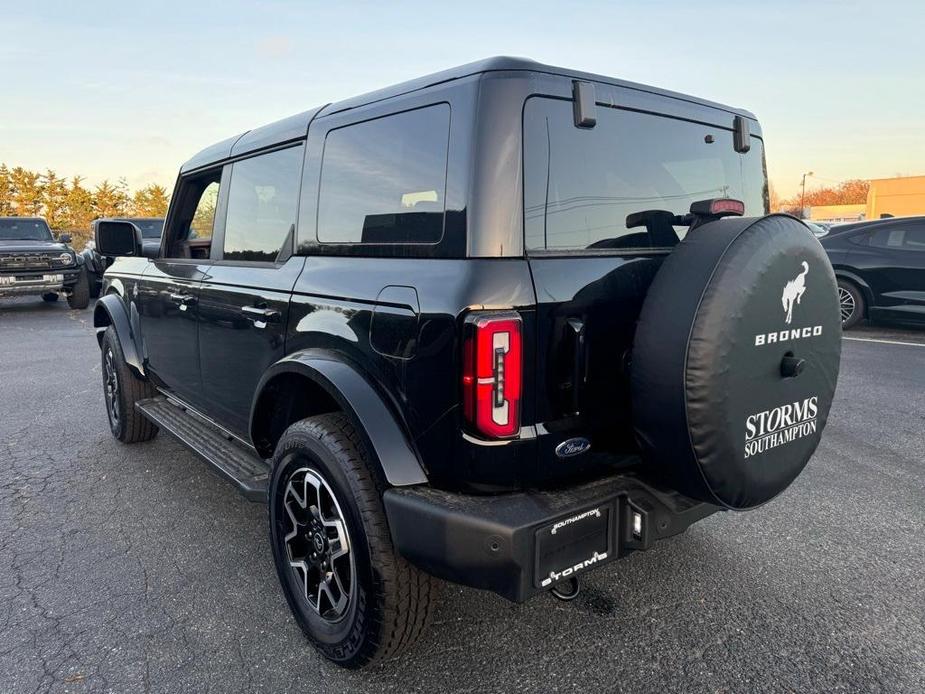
x: 590, y: 271
x: 244, y: 303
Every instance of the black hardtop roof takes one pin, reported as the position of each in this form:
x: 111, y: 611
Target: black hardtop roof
x: 31, y: 218
x: 295, y: 127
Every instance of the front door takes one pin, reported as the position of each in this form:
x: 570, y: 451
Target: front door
x: 168, y: 295
x: 244, y: 303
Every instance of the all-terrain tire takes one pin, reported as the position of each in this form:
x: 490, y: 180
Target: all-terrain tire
x: 122, y: 387
x: 96, y: 284
x: 79, y: 298
x: 851, y: 304
x: 393, y: 601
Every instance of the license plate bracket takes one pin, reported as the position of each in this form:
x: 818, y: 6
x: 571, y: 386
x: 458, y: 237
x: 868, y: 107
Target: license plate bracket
x: 574, y: 543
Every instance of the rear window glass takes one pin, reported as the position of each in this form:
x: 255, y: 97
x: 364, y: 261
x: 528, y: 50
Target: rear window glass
x: 384, y: 180
x: 580, y: 184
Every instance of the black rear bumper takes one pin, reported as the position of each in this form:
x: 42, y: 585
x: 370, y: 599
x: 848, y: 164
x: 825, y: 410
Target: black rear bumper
x: 520, y: 544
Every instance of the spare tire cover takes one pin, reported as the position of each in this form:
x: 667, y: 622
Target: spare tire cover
x: 716, y: 411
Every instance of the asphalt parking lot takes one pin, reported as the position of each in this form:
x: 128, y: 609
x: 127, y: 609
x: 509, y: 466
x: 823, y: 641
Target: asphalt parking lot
x: 135, y: 568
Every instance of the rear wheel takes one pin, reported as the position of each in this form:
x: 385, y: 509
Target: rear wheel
x: 355, y: 599
x: 50, y: 297
x: 79, y: 297
x: 850, y: 303
x: 122, y: 389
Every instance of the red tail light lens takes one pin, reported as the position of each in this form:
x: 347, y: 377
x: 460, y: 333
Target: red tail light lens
x: 493, y: 373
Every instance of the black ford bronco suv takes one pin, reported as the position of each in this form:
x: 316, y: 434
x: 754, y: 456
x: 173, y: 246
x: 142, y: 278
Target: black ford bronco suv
x: 32, y: 262
x: 499, y: 326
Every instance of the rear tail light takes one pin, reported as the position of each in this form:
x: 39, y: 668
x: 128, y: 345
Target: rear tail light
x: 493, y: 373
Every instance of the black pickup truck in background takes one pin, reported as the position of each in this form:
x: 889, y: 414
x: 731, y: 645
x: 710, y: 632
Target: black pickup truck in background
x: 33, y: 262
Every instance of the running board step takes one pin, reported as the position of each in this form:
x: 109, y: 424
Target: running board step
x: 249, y: 473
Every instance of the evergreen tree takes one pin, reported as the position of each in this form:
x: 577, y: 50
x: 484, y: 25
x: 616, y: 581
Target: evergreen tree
x: 54, y: 196
x: 110, y: 200
x: 27, y: 192
x: 150, y: 201
x: 6, y: 192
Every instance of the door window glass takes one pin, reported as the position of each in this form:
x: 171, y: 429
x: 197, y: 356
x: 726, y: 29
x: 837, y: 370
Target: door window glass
x: 915, y: 238
x: 384, y: 180
x: 262, y: 205
x: 890, y: 237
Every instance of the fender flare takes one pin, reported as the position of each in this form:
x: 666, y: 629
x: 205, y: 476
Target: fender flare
x: 109, y: 310
x: 360, y: 401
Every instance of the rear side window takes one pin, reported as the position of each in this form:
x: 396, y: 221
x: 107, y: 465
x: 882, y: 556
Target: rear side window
x: 915, y: 238
x: 384, y: 180
x: 910, y: 238
x: 262, y: 202
x: 580, y: 184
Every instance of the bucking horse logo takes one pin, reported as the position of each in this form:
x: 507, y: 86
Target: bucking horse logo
x: 793, y: 292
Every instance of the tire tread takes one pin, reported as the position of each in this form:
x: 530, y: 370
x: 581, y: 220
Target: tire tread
x: 407, y: 594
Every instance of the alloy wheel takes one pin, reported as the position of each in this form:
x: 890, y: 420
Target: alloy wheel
x: 318, y: 545
x: 111, y: 387
x: 847, y: 304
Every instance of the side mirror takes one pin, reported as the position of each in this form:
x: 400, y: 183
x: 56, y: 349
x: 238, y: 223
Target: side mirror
x: 64, y: 238
x: 114, y: 239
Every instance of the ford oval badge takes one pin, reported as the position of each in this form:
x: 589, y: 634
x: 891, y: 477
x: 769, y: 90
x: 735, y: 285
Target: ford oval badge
x: 572, y: 447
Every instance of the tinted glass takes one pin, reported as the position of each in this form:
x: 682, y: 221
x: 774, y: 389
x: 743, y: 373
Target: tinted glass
x: 384, y: 181
x: 910, y: 237
x: 262, y: 204
x: 580, y: 184
x: 24, y: 229
x: 150, y: 228
x: 915, y: 238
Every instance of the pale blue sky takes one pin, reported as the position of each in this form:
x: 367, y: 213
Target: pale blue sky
x: 110, y: 89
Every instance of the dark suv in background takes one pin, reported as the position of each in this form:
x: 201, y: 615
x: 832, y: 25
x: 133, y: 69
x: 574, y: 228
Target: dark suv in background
x: 33, y: 262
x: 498, y: 325
x: 880, y: 266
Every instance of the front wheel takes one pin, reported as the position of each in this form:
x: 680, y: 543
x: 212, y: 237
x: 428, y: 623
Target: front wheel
x: 851, y: 304
x: 355, y: 599
x: 79, y: 297
x: 121, y: 390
